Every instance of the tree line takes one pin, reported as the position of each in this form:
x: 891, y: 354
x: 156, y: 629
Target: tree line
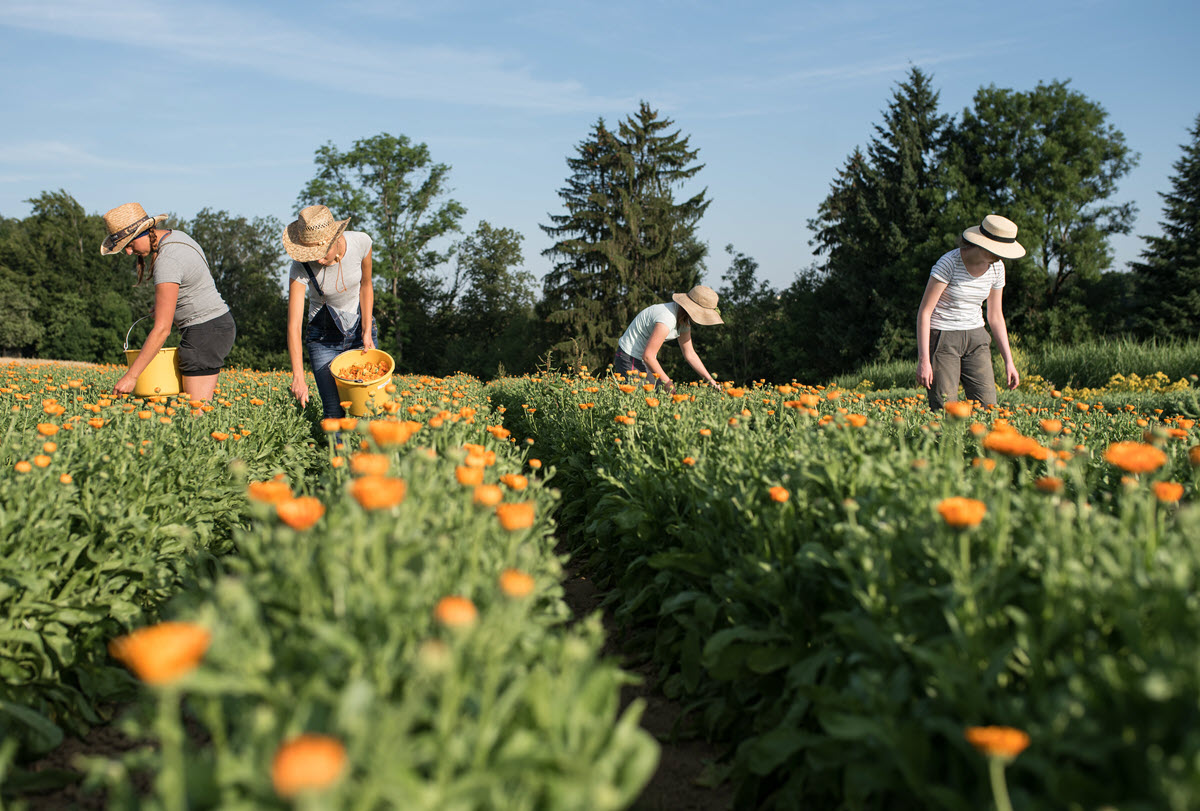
x: 626, y: 237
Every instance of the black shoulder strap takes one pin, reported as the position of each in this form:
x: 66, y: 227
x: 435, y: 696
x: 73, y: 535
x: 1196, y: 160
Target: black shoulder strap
x: 313, y: 277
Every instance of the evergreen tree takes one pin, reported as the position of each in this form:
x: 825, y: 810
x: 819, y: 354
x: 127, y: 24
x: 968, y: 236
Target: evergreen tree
x: 624, y: 242
x: 1168, y: 279
x: 874, y: 228
x: 741, y: 348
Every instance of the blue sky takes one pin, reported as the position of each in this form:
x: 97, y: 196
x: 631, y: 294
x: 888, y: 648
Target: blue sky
x: 182, y: 106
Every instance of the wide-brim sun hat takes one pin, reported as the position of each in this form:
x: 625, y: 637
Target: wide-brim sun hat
x: 309, y: 237
x: 125, y: 224
x: 701, y: 305
x: 996, y: 234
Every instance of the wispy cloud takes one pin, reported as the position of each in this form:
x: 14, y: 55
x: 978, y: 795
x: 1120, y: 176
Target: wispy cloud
x: 58, y: 153
x: 320, y: 57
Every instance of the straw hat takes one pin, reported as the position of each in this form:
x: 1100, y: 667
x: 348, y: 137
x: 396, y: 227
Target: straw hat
x: 125, y: 224
x: 701, y: 304
x: 996, y: 234
x: 309, y: 237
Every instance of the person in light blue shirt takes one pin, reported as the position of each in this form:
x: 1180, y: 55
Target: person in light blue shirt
x: 637, y: 349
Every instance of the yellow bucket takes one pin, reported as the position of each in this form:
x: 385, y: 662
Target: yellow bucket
x: 365, y: 396
x: 162, y: 376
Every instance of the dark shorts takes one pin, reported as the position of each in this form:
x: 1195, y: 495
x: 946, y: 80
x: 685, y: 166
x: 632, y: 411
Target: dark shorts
x: 204, y: 346
x: 624, y: 363
x: 961, y: 356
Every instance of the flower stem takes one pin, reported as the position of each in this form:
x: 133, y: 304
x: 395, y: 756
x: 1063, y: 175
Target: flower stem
x: 999, y: 787
x: 172, y: 780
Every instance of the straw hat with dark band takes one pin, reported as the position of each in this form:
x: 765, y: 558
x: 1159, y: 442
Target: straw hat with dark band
x: 701, y: 304
x: 996, y: 234
x: 309, y: 237
x: 125, y: 224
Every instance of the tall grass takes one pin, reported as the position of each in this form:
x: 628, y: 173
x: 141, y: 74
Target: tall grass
x: 1084, y: 365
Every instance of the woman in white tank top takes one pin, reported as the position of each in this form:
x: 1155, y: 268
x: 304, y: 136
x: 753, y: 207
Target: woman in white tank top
x: 952, y: 344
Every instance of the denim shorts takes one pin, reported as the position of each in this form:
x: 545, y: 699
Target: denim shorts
x: 203, y: 347
x: 325, y: 341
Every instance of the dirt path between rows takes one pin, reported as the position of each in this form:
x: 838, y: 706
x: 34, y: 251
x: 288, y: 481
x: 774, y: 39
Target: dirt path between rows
x: 683, y: 762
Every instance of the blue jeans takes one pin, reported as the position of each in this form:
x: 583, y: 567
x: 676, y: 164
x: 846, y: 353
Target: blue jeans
x: 325, y: 341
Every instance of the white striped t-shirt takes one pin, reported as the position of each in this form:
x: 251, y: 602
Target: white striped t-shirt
x: 960, y: 306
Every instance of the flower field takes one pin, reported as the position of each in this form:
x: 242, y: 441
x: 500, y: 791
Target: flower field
x: 841, y: 584
x: 872, y: 605
x: 365, y: 613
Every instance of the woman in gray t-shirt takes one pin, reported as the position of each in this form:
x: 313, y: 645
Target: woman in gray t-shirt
x: 185, y: 296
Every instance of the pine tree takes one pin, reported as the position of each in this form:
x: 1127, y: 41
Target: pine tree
x: 624, y: 242
x: 874, y: 228
x: 1168, y: 280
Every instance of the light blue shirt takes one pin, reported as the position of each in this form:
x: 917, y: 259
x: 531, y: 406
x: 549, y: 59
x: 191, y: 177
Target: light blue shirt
x: 637, y: 335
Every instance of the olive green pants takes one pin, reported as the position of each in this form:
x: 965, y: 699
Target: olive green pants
x: 964, y: 355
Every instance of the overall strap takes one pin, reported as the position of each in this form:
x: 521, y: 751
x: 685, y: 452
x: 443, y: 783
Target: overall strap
x: 313, y: 277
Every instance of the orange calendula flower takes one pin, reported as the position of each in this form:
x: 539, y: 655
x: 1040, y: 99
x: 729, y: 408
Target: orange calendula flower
x: 163, y: 653
x: 41, y: 460
x: 958, y: 409
x: 378, y: 492
x: 779, y: 494
x: 1002, y: 742
x: 516, y: 516
x: 515, y: 481
x: 308, y: 762
x: 1168, y: 492
x: 391, y: 433
x: 47, y: 428
x: 1051, y: 426
x: 488, y: 495
x: 625, y: 387
x: 145, y: 415
x: 455, y: 612
x: 962, y: 513
x: 705, y: 432
x: 1049, y: 484
x: 516, y: 583
x: 1135, y: 457
x: 66, y: 478
x: 272, y: 492
x: 536, y: 464
x: 1010, y: 443
x: 300, y: 513
x: 468, y: 476
x: 689, y: 461
x: 1194, y: 455
x: 22, y: 467
x: 857, y: 420
x: 220, y: 436
x: 96, y: 422
x: 369, y: 464
x: 330, y: 424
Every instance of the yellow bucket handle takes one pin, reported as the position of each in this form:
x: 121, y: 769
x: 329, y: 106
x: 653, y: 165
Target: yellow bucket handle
x: 131, y: 326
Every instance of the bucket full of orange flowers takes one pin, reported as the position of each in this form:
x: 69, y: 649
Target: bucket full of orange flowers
x: 362, y: 377
x: 162, y: 376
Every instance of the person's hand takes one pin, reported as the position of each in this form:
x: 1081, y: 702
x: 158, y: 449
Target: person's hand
x: 368, y: 342
x: 715, y: 385
x: 925, y: 374
x: 1014, y: 379
x: 300, y: 390
x: 125, y: 384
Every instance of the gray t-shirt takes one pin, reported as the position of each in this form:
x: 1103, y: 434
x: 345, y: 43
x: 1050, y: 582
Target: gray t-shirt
x: 181, y: 261
x: 637, y: 334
